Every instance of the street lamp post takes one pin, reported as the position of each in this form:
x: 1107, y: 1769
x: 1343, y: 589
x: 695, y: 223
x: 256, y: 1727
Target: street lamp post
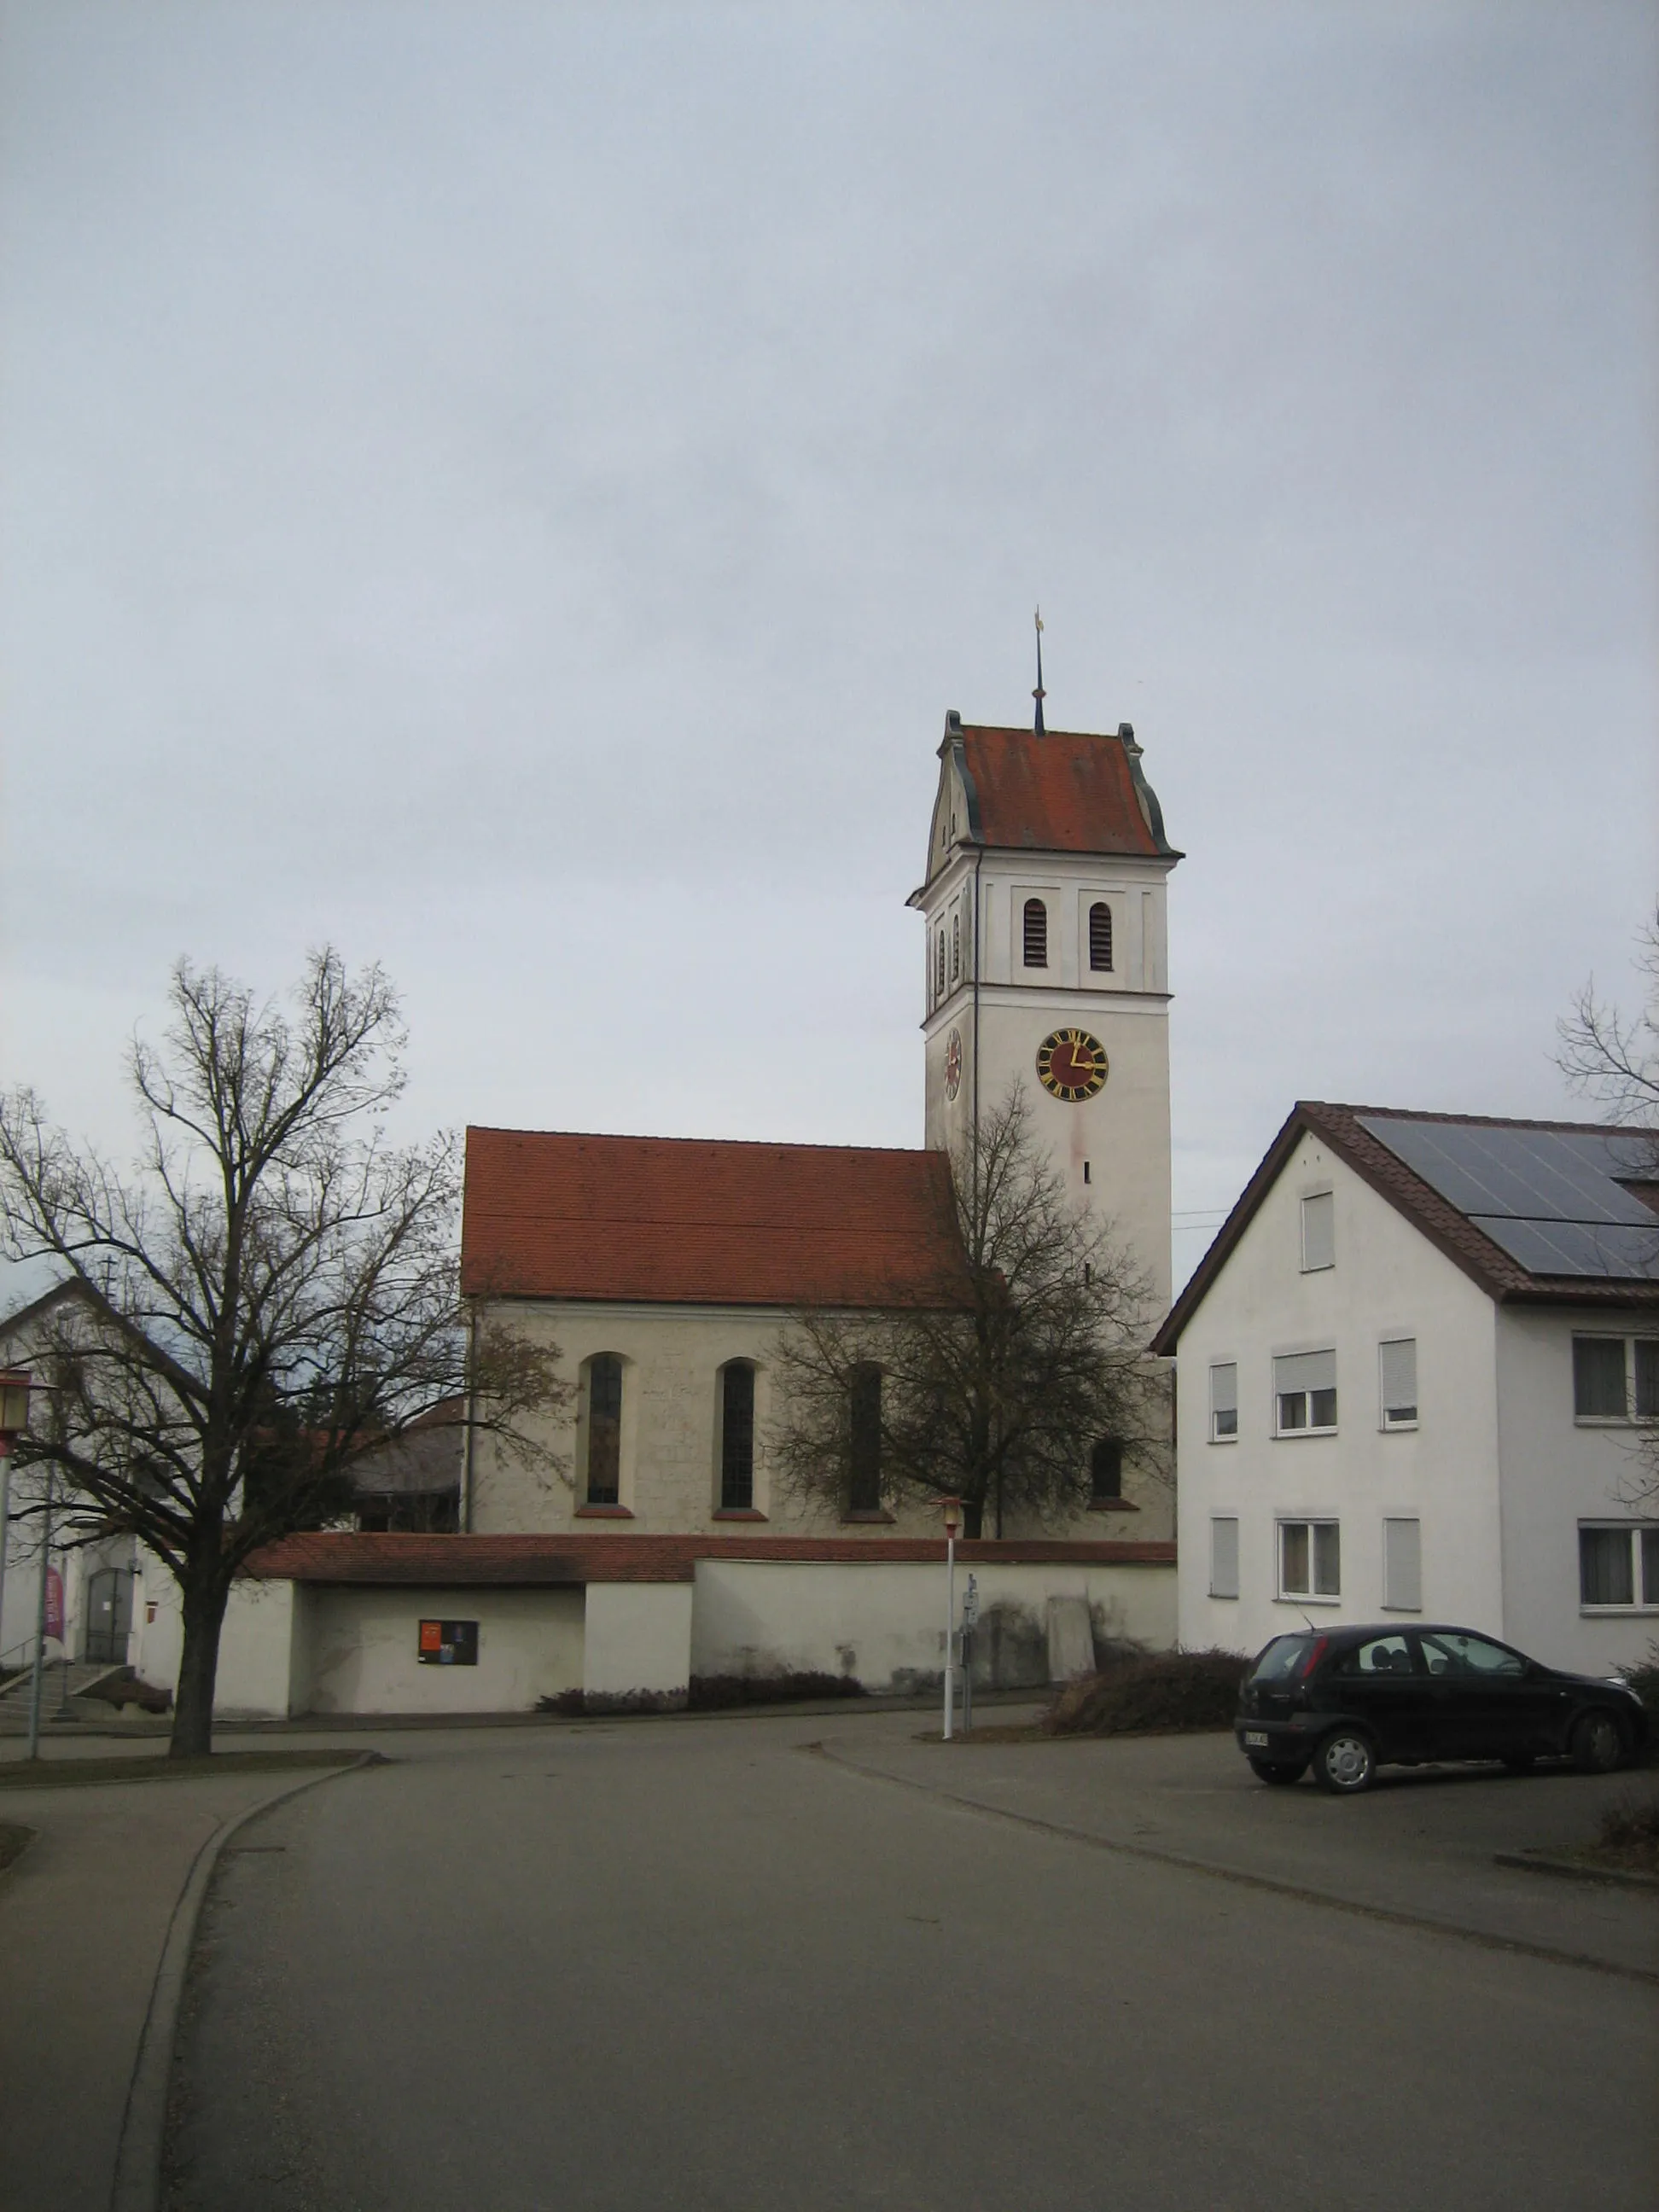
x: 953, y: 1523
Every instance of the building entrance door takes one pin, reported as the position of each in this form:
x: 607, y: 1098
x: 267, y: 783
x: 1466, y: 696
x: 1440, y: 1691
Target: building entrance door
x: 109, y: 1616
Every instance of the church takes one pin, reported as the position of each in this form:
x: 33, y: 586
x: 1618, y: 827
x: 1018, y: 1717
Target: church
x: 665, y: 1269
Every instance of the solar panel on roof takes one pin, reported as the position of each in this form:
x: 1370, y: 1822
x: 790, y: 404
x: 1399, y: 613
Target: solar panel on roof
x: 1553, y: 1199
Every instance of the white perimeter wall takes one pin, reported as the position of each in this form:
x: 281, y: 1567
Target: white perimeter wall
x: 1556, y: 1472
x: 360, y: 1649
x: 1388, y: 1281
x: 884, y: 1623
x: 638, y: 1638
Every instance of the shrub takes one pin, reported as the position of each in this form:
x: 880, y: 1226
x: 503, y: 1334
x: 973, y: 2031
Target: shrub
x: 1645, y: 1680
x: 707, y: 1693
x: 1162, y: 1692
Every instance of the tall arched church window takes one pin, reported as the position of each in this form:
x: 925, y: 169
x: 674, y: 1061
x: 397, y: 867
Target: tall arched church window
x: 736, y: 1437
x: 1106, y: 1471
x: 864, y: 1455
x: 1037, y: 933
x: 955, y: 946
x: 604, y: 1396
x: 1100, y: 935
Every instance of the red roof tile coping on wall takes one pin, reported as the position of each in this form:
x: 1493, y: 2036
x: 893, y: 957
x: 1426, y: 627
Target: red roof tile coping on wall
x: 1064, y: 792
x: 686, y: 1220
x: 537, y: 1561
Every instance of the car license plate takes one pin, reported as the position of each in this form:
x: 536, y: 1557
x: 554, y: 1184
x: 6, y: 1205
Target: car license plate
x: 1256, y: 1739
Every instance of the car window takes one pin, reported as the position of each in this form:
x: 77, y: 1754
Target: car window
x: 1449, y: 1652
x: 1281, y: 1658
x: 1384, y: 1655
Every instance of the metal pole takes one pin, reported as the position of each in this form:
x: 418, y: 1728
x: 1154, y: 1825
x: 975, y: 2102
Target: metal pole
x: 967, y: 1682
x: 5, y: 1530
x: 949, y: 1628
x: 40, y: 1624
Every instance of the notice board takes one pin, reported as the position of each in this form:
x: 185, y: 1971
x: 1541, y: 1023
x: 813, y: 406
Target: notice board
x: 449, y: 1643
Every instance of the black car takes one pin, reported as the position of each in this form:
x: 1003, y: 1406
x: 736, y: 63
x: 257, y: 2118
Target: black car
x: 1345, y: 1701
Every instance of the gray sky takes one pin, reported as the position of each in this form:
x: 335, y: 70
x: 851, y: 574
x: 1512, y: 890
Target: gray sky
x: 514, y: 490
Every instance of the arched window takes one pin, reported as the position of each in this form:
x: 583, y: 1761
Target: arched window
x: 955, y: 946
x: 864, y: 1455
x: 1037, y: 933
x: 1106, y: 1471
x: 940, y: 965
x: 1100, y: 935
x: 736, y: 1437
x: 604, y: 1395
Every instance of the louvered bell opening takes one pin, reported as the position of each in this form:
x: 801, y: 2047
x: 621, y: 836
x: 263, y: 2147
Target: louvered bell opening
x: 1100, y: 937
x: 1037, y: 933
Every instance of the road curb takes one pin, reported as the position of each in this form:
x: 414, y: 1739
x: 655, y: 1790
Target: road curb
x: 1546, y: 1862
x: 137, y: 2183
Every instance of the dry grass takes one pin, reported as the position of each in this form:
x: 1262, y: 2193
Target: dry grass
x: 1629, y: 1837
x: 1154, y: 1693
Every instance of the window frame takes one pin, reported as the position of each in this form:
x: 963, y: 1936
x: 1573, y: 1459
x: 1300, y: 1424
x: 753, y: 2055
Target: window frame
x: 1629, y: 1344
x: 1385, y: 1419
x: 612, y: 1500
x: 1224, y: 1521
x: 1391, y: 1602
x: 728, y: 1502
x: 1218, y: 1436
x: 1101, y: 936
x: 1311, y: 1523
x: 1643, y: 1556
x: 1310, y: 1427
x: 1327, y: 1198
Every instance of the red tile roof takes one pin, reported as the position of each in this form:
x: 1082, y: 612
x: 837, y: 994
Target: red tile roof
x: 689, y: 1221
x: 540, y: 1561
x: 1064, y: 792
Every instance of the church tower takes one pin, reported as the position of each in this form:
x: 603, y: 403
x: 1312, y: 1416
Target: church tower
x: 1047, y: 962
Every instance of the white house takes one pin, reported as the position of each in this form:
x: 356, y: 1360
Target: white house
x: 1412, y: 1376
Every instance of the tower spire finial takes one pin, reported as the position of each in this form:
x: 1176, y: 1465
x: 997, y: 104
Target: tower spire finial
x: 1039, y: 695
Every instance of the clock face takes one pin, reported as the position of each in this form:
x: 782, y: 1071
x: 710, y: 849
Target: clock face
x: 953, y: 1063
x: 1071, y: 1064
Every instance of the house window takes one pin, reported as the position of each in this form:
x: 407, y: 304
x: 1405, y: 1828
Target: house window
x: 1224, y: 1555
x: 1106, y: 1471
x: 1223, y: 1403
x: 1397, y: 1362
x: 1037, y: 933
x: 1310, y: 1559
x: 736, y: 1437
x: 1318, y: 1232
x: 1618, y: 1565
x: 1615, y: 1378
x: 1402, y: 1565
x: 956, y: 944
x: 1304, y: 1392
x: 1100, y: 936
x: 605, y: 1392
x: 864, y: 1454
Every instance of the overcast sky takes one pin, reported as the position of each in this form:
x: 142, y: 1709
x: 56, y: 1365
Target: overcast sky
x: 514, y: 490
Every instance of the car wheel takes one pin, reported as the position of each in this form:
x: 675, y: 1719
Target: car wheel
x: 1345, y: 1763
x: 1597, y: 1743
x: 1282, y: 1773
x: 1519, y: 1762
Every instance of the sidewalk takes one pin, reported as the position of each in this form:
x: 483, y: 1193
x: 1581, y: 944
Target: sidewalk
x: 84, y: 1916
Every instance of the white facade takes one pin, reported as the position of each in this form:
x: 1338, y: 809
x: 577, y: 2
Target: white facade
x: 1484, y: 1490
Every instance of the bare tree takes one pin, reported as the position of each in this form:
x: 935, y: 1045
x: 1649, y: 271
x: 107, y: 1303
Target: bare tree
x: 997, y: 1394
x: 270, y: 1293
x: 1614, y: 1059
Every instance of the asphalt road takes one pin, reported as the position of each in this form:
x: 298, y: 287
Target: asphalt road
x: 697, y: 1965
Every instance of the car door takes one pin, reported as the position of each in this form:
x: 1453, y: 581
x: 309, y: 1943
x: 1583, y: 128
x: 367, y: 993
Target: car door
x: 1381, y: 1684
x: 1479, y: 1705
